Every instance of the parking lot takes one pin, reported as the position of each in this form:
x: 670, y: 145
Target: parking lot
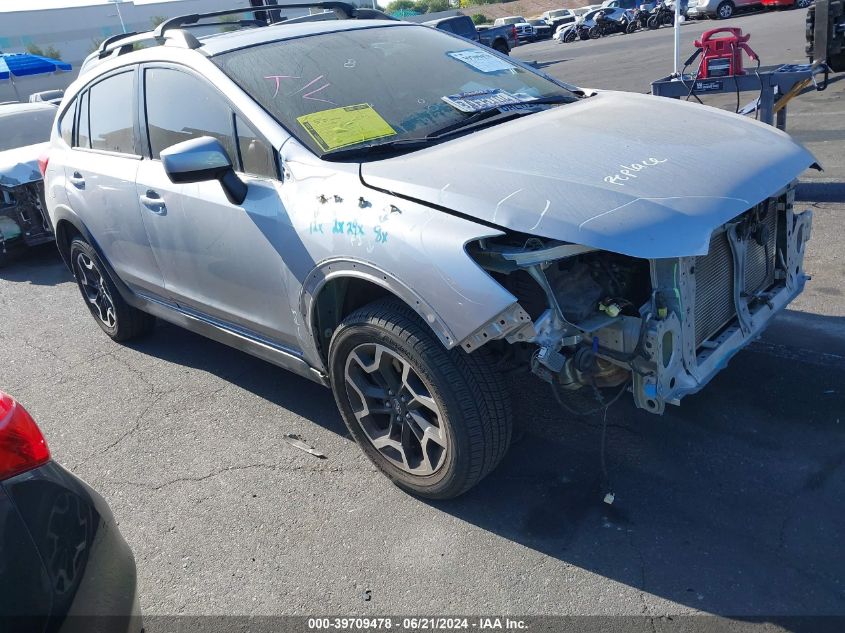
x: 732, y: 504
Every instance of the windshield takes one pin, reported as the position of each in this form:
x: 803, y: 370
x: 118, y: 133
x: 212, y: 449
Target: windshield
x: 559, y: 14
x: 25, y: 128
x: 372, y: 86
x: 512, y: 20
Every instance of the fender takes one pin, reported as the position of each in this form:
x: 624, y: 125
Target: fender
x: 346, y: 267
x: 64, y: 214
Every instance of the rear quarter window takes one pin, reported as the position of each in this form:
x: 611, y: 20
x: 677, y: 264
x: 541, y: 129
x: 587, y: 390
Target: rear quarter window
x: 66, y: 123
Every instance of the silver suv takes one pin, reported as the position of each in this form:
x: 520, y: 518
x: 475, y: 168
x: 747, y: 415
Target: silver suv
x: 391, y: 211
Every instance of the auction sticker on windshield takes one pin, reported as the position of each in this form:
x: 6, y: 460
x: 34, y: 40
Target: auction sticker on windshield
x: 481, y: 60
x: 340, y: 127
x: 480, y: 100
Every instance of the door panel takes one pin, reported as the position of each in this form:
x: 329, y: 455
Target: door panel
x: 220, y: 259
x: 100, y: 182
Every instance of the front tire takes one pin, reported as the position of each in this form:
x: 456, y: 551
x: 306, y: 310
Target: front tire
x: 115, y: 317
x: 435, y: 421
x: 594, y: 33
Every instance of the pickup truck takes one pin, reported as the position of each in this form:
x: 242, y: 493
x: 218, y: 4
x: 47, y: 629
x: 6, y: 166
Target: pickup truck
x: 524, y: 31
x: 500, y: 38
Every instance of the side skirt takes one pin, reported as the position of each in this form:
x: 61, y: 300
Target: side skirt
x: 222, y: 333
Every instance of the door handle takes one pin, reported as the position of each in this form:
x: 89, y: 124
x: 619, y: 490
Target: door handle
x: 153, y: 202
x: 77, y: 180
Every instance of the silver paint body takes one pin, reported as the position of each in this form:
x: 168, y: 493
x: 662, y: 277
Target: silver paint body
x: 248, y: 275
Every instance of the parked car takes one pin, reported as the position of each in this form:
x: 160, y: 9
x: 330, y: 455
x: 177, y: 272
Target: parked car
x: 718, y: 9
x: 557, y: 17
x: 64, y: 566
x: 24, y: 139
x: 500, y: 38
x: 582, y: 10
x: 295, y: 192
x: 524, y: 31
x: 621, y: 4
x: 49, y: 96
x: 787, y: 4
x: 542, y: 31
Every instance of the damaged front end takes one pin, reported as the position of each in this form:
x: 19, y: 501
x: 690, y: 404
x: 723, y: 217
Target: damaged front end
x: 592, y: 318
x: 24, y: 221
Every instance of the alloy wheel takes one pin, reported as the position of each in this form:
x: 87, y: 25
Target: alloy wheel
x: 94, y: 288
x: 395, y: 409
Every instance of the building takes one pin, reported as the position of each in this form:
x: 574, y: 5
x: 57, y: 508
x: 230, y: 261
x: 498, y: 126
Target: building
x: 76, y: 30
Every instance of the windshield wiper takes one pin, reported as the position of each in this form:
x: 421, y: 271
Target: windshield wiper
x: 496, y: 114
x: 482, y: 117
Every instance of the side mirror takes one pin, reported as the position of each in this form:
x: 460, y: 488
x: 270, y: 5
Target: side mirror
x: 201, y: 159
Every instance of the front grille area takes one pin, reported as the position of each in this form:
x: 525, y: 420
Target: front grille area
x: 714, y: 306
x: 759, y: 262
x: 714, y: 273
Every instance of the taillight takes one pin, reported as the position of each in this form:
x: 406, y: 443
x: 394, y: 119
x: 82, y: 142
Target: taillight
x: 22, y: 447
x: 43, y: 161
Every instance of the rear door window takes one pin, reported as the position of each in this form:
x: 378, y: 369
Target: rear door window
x: 111, y: 116
x: 83, y: 135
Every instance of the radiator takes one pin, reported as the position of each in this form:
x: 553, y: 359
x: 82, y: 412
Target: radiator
x: 714, y: 307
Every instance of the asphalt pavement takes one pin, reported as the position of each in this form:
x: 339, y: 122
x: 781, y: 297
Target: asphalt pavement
x: 732, y: 504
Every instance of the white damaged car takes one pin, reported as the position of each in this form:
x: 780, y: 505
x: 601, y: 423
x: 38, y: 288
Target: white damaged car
x: 389, y: 210
x: 24, y: 140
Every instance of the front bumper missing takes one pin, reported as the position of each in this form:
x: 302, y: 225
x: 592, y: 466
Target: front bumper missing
x: 674, y: 366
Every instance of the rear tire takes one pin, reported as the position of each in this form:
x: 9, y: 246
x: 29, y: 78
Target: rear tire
x: 570, y: 37
x: 725, y: 10
x: 653, y: 23
x: 115, y: 317
x: 502, y: 48
x: 594, y: 33
x: 435, y: 421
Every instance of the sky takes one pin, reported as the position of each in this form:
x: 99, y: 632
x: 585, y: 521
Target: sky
x: 31, y: 5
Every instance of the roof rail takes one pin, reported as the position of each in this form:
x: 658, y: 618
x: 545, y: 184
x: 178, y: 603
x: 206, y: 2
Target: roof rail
x: 347, y: 11
x: 175, y: 29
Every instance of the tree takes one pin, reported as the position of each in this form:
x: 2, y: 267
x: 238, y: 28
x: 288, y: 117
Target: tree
x: 156, y: 20
x: 438, y: 5
x: 400, y: 5
x: 479, y: 18
x: 421, y: 6
x: 33, y: 49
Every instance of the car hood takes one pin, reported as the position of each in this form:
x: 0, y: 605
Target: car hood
x: 19, y: 166
x: 634, y: 174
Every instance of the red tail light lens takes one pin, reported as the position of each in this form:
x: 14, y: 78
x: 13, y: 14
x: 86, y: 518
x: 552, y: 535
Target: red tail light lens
x: 43, y: 161
x: 22, y: 447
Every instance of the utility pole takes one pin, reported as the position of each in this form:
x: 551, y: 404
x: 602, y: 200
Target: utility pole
x: 120, y: 17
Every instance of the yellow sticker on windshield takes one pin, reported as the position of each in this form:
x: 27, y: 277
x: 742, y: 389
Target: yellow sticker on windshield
x: 339, y: 127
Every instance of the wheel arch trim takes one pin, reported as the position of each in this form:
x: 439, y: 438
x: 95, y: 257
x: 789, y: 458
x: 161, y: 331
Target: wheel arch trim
x: 62, y: 217
x: 338, y: 268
